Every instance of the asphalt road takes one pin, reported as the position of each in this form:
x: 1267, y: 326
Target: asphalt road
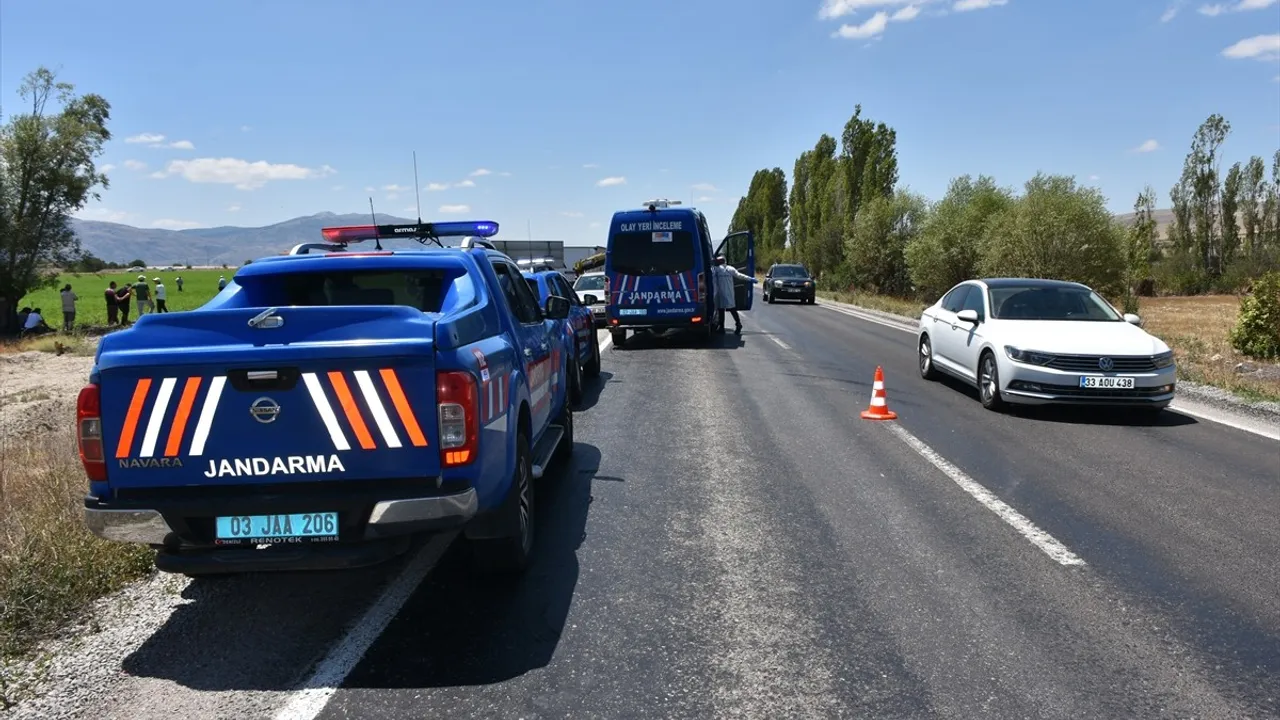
x: 732, y: 540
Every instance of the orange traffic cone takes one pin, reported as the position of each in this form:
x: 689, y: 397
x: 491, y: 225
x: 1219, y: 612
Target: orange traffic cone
x: 879, y: 409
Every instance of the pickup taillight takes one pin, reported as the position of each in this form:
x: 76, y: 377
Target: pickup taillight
x: 458, y: 408
x: 89, y: 433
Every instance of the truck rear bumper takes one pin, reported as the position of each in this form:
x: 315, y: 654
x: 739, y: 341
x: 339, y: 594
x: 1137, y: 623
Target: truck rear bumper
x: 387, y: 519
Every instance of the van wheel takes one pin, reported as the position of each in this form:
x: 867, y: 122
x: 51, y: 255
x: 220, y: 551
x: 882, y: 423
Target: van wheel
x: 619, y: 336
x: 511, y: 555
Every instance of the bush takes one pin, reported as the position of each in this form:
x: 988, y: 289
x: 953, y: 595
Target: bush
x: 1257, y: 330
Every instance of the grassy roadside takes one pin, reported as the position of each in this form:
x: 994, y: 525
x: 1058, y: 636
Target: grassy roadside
x: 1196, y: 328
x: 51, y: 567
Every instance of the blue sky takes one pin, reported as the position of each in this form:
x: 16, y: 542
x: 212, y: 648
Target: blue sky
x: 555, y: 114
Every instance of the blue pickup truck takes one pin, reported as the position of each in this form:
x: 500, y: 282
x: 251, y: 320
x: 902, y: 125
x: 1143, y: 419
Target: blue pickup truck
x: 329, y: 405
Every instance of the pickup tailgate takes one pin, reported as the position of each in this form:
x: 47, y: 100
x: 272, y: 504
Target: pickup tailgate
x: 296, y: 403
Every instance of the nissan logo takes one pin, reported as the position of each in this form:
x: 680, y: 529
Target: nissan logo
x: 1105, y: 364
x: 264, y: 410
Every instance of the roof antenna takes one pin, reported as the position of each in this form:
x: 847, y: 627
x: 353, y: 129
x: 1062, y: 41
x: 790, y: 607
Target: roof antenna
x: 417, y: 195
x: 377, y: 242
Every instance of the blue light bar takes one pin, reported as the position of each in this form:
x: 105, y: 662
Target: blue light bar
x: 479, y: 228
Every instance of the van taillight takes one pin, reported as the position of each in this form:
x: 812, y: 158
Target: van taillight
x: 458, y: 408
x: 89, y: 433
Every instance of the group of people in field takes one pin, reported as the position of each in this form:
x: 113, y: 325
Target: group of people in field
x: 120, y: 300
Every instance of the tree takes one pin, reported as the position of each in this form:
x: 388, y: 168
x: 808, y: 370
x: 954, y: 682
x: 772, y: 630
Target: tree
x: 1206, y: 191
x: 1139, y: 247
x: 1253, y: 192
x: 1180, y: 230
x: 1271, y: 207
x: 1229, y: 237
x: 946, y: 250
x: 876, y: 249
x: 763, y: 211
x: 869, y: 156
x: 47, y: 172
x: 1057, y: 229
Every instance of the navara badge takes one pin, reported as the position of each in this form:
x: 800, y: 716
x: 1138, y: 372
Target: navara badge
x: 264, y: 410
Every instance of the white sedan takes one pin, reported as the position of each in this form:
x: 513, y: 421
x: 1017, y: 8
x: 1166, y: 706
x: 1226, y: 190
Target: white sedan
x: 1035, y: 342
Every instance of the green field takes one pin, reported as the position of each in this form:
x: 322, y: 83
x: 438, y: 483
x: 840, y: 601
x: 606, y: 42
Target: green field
x: 198, y: 287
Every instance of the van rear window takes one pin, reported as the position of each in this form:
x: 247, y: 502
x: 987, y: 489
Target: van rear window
x: 421, y: 289
x: 635, y: 253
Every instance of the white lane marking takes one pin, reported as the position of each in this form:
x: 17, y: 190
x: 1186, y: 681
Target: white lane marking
x: 375, y: 406
x: 157, y: 417
x: 781, y: 344
x: 206, y: 415
x: 326, y: 411
x: 1222, y: 419
x: 309, y: 700
x: 869, y: 318
x: 607, y: 341
x: 1015, y: 519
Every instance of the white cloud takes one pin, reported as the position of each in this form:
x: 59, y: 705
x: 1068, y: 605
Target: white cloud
x: 481, y: 172
x: 135, y: 164
x: 705, y: 187
x: 505, y: 174
x: 393, y: 188
x: 102, y: 214
x: 872, y: 27
x: 1148, y: 146
x: 1169, y: 14
x: 106, y: 168
x: 967, y: 5
x: 1212, y: 10
x: 1217, y: 9
x: 1094, y: 177
x: 243, y: 174
x: 234, y: 208
x: 168, y: 224
x: 158, y: 175
x: 571, y: 213
x: 145, y: 138
x: 705, y: 198
x: 832, y: 9
x: 1258, y: 47
x: 906, y: 14
x: 594, y: 225
x: 410, y: 210
x: 437, y: 187
x: 590, y: 166
x: 182, y: 145
x: 454, y: 209
x: 465, y: 183
x: 612, y: 182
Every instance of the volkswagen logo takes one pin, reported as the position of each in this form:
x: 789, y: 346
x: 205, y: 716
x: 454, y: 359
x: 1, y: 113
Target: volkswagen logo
x: 264, y: 410
x: 1105, y: 364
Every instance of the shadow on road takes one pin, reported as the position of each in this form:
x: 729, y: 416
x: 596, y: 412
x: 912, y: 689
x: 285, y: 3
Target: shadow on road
x: 265, y: 632
x: 1082, y: 415
x: 683, y: 340
x: 592, y: 388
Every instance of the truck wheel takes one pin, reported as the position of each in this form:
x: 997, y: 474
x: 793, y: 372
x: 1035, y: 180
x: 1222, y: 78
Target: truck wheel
x: 593, y: 365
x: 619, y: 336
x: 574, y: 370
x: 511, y: 555
x: 564, y: 450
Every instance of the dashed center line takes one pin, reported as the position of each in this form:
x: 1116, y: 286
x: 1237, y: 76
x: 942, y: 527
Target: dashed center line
x: 781, y: 344
x: 1041, y: 539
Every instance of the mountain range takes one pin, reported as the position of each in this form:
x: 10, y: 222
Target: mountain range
x: 232, y: 245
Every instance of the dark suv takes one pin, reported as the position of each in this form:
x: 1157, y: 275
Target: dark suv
x: 791, y: 282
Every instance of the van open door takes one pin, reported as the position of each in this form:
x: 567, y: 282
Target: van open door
x: 739, y: 250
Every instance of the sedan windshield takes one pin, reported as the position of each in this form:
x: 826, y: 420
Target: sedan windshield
x: 790, y: 271
x: 1051, y: 303
x: 589, y: 282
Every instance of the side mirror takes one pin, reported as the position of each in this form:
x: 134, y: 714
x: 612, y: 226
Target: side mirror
x: 969, y: 316
x: 1133, y: 319
x: 590, y: 299
x: 556, y: 308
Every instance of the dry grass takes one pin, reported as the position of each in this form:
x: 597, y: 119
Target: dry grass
x: 51, y: 567
x: 1197, y: 329
x: 54, y: 344
x: 897, y: 306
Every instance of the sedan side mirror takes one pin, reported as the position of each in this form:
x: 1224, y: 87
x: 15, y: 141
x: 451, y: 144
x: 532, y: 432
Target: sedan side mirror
x: 1133, y: 319
x: 969, y: 316
x: 590, y: 299
x: 556, y: 307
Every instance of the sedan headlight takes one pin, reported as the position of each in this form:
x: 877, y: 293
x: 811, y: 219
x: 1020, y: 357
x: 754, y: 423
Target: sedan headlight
x: 1027, y: 356
x: 1163, y: 360
x: 807, y: 283
x: 777, y: 283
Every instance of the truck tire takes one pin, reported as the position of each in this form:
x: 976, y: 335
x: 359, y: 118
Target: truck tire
x: 511, y: 555
x: 593, y: 365
x: 564, y: 451
x: 574, y: 370
x: 619, y: 336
